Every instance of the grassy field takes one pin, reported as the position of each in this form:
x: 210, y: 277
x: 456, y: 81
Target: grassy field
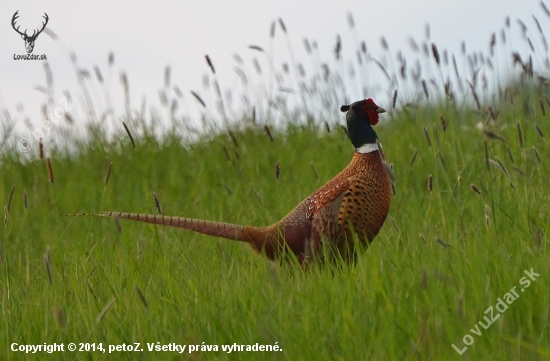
x: 460, y: 269
x: 441, y: 260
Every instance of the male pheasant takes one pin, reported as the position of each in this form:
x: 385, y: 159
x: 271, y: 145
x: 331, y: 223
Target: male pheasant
x: 356, y: 200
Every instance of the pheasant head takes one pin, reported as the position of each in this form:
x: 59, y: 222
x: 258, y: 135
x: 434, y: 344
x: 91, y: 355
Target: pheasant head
x: 360, y: 118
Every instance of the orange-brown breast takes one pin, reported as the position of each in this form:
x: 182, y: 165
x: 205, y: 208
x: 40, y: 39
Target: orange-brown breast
x: 359, y: 196
x: 367, y: 201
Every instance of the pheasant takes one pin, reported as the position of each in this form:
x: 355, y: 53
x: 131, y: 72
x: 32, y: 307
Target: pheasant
x: 355, y: 201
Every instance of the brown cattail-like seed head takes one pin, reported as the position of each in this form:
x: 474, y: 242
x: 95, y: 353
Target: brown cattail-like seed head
x: 425, y: 87
x: 25, y: 200
x: 536, y: 153
x: 268, y: 132
x: 435, y: 53
x: 277, y: 170
x: 129, y: 135
x: 520, y: 135
x: 233, y: 138
x: 443, y: 123
x: 414, y: 157
x: 474, y: 188
x: 50, y: 170
x: 490, y: 135
x: 209, y: 62
x: 540, y: 131
x: 41, y: 149
x: 10, y: 197
x: 157, y: 203
x: 542, y: 108
x: 108, y: 175
x: 430, y: 183
x: 199, y: 99
x: 282, y: 24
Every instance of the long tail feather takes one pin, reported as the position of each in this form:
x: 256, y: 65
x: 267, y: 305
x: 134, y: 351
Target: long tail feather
x: 217, y: 229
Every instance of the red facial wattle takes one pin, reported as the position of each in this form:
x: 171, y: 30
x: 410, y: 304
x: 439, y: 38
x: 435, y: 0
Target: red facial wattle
x: 372, y: 111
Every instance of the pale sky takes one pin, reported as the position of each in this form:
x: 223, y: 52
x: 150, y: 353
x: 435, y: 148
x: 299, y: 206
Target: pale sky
x: 147, y: 36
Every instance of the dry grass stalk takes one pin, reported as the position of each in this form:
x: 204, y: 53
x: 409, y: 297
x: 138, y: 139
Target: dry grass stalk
x: 394, y: 224
x: 5, y: 216
x: 129, y: 135
x: 427, y: 136
x: 108, y: 175
x: 105, y: 309
x: 268, y: 132
x: 487, y: 219
x: 327, y: 127
x: 430, y: 183
x: 542, y: 108
x: 314, y: 170
x: 394, y: 99
x: 459, y: 177
x: 50, y: 170
x: 142, y: 297
x: 157, y: 203
x: 48, y: 263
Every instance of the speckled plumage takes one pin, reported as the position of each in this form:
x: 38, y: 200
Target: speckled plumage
x: 355, y: 201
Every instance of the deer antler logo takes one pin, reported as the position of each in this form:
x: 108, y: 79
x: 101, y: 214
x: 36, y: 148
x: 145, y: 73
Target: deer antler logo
x: 29, y: 40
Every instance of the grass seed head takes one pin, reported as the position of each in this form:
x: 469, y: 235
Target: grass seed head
x: 475, y: 189
x: 50, y: 170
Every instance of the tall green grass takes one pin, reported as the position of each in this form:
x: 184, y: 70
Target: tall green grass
x: 445, y: 254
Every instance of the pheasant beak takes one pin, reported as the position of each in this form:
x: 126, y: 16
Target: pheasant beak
x: 380, y: 110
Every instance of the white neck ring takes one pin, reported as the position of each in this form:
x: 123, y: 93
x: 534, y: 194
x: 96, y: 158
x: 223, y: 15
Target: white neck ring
x: 367, y: 148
